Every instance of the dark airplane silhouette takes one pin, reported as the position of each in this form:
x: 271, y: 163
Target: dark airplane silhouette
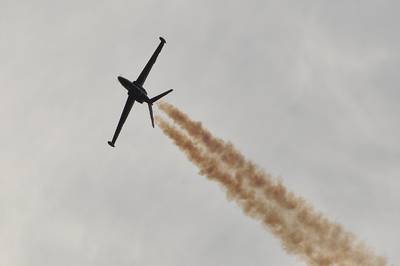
x: 136, y: 92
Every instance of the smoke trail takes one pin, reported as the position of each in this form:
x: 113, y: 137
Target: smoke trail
x: 302, y: 230
x: 270, y: 189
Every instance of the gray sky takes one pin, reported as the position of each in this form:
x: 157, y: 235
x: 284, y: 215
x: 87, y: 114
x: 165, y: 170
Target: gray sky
x: 307, y: 90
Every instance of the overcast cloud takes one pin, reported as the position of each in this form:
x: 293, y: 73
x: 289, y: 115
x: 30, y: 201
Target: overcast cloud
x: 307, y: 89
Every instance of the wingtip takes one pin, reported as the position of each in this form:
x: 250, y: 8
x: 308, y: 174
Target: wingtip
x: 162, y: 40
x: 111, y: 144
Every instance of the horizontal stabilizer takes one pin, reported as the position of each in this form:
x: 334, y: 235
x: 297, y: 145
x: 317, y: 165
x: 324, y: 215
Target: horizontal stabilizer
x: 154, y: 99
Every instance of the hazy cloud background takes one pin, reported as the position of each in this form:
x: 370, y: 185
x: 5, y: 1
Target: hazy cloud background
x: 308, y: 90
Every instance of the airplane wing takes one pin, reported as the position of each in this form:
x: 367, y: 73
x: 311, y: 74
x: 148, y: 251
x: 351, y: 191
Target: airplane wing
x: 145, y: 72
x: 127, y: 108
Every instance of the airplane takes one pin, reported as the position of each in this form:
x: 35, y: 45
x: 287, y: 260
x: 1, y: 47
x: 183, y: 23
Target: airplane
x: 136, y: 92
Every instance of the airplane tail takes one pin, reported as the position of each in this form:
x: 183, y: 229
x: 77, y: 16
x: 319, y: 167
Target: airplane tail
x: 151, y: 114
x: 153, y: 100
x: 158, y: 97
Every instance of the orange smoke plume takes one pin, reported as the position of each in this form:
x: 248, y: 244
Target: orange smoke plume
x: 302, y: 230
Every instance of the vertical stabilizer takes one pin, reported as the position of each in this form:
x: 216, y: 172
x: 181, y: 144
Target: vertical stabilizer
x: 153, y: 100
x: 151, y: 114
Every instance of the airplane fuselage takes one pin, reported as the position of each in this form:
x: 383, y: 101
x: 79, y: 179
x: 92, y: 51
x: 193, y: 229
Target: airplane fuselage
x: 136, y: 93
x: 134, y: 90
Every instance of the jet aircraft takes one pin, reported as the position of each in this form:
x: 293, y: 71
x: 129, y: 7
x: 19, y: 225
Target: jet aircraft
x: 136, y: 92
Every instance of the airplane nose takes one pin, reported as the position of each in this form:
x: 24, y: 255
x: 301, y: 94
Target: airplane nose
x: 123, y: 81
